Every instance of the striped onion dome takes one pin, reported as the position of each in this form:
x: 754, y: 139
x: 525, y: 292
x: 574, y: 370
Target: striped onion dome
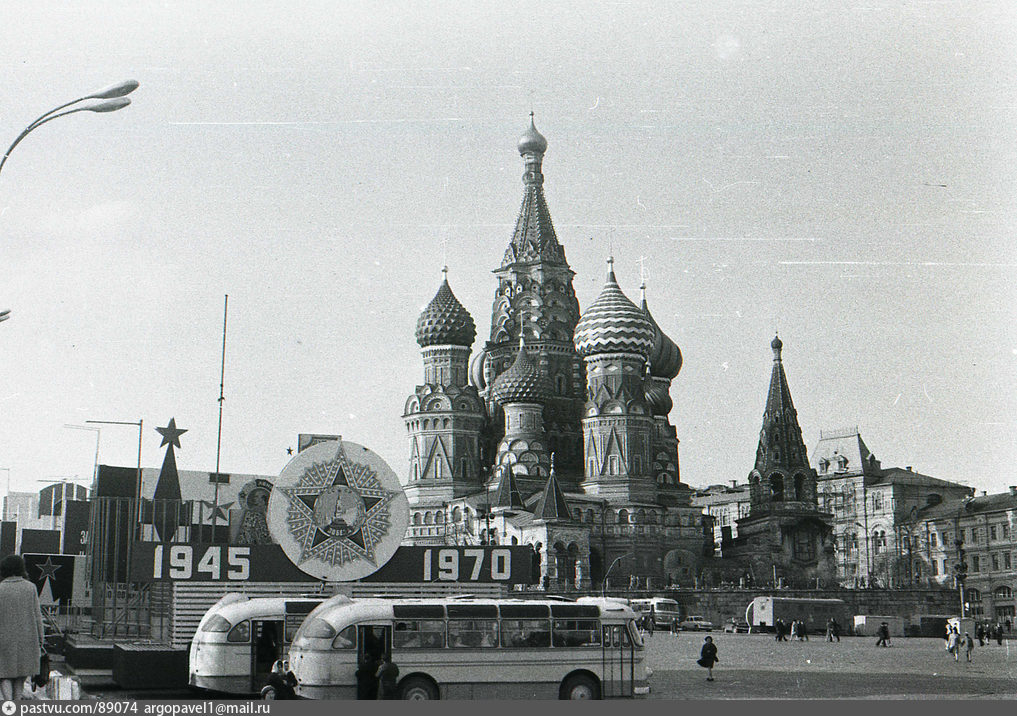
x: 613, y: 324
x: 522, y: 382
x: 445, y: 322
x: 665, y: 356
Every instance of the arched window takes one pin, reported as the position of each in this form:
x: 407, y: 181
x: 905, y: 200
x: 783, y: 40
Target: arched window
x: 1002, y: 592
x: 457, y: 514
x: 428, y: 518
x: 623, y: 517
x: 776, y: 487
x: 972, y: 595
x: 641, y: 516
x: 439, y: 518
x: 416, y: 518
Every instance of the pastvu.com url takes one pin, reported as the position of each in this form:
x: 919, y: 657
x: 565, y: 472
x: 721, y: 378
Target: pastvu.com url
x: 132, y: 708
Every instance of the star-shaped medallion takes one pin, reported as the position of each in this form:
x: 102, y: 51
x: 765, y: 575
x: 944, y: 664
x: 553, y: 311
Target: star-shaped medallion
x: 171, y: 433
x: 48, y: 569
x: 338, y: 511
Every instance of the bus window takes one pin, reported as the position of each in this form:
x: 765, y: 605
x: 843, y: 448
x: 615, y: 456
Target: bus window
x: 575, y: 632
x: 240, y: 634
x: 525, y: 632
x: 633, y: 632
x: 346, y: 639
x: 419, y: 634
x: 472, y: 633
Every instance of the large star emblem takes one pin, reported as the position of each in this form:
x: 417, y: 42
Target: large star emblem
x: 171, y: 433
x: 338, y: 511
x: 47, y: 569
x: 213, y: 512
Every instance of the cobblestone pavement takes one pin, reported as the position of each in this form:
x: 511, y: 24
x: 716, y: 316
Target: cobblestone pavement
x: 754, y: 666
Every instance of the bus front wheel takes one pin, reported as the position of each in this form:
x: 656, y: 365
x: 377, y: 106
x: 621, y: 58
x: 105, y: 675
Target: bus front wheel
x: 417, y: 688
x: 580, y: 686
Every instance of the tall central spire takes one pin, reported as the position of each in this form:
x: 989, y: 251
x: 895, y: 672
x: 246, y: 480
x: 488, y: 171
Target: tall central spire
x: 780, y: 440
x: 533, y: 239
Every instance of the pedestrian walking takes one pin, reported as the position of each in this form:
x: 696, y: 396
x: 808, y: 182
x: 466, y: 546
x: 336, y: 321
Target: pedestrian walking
x: 778, y: 630
x: 980, y: 633
x: 884, y: 635
x: 999, y: 634
x: 803, y: 631
x: 969, y: 645
x: 953, y: 644
x: 832, y: 630
x: 388, y: 678
x: 21, y: 627
x: 708, y: 657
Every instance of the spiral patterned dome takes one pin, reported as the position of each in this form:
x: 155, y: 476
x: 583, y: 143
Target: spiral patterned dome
x: 659, y: 398
x: 613, y: 324
x: 665, y: 356
x: 532, y: 141
x: 522, y: 382
x: 445, y: 321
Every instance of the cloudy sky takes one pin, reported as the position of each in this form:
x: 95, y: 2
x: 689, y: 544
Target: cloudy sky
x: 845, y: 176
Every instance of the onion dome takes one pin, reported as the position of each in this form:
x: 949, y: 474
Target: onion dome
x: 613, y: 324
x: 659, y: 398
x: 522, y: 382
x: 532, y: 141
x: 665, y: 357
x: 445, y: 322
x: 776, y: 344
x: 477, y: 366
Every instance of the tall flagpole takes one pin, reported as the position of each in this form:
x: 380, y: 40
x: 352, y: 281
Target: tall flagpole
x: 218, y: 438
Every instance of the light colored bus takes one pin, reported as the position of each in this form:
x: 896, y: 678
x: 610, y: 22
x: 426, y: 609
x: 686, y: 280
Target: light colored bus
x: 473, y: 648
x: 664, y: 612
x: 239, y: 639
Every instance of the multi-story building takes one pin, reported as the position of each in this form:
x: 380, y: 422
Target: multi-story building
x: 870, y: 504
x: 725, y: 505
x: 978, y: 532
x: 556, y: 433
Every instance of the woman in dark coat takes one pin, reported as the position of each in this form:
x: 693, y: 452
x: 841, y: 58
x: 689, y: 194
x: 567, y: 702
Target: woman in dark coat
x: 708, y: 657
x: 20, y: 627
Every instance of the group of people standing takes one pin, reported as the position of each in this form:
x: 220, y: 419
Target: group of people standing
x: 987, y: 632
x: 796, y: 630
x: 955, y: 642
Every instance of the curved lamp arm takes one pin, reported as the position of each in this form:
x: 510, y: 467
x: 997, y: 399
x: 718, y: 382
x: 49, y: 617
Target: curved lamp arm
x: 107, y: 105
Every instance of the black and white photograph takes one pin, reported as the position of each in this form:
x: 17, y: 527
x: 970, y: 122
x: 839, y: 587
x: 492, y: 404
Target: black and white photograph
x: 610, y: 349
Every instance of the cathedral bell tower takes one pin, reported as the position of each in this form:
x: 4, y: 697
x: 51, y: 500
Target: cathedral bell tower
x: 535, y: 301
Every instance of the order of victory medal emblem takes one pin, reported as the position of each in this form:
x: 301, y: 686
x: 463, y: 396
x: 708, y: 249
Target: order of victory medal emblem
x: 338, y: 511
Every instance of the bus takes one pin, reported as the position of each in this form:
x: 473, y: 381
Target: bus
x: 664, y: 612
x: 239, y: 639
x: 473, y: 648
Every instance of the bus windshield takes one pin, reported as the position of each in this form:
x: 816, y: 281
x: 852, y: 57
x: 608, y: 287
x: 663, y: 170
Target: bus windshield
x: 634, y: 634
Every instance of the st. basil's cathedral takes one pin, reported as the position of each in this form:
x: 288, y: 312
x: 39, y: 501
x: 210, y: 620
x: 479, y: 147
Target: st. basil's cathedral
x: 556, y: 433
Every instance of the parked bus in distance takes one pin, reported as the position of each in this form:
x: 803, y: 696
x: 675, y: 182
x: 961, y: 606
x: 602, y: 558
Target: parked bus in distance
x: 239, y: 639
x: 664, y: 612
x: 765, y: 611
x: 473, y: 648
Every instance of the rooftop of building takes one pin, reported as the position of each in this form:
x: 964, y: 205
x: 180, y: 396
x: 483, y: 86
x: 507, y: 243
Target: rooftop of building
x: 983, y: 504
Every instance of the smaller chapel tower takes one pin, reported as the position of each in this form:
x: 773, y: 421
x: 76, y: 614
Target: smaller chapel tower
x: 614, y: 338
x: 443, y: 416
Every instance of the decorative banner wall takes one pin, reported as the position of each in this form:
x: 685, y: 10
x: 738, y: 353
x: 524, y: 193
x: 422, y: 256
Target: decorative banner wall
x: 165, y: 562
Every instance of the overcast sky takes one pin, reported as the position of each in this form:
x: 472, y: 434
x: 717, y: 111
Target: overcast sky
x: 843, y: 175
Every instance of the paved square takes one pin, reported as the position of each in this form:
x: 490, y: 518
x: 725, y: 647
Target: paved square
x: 754, y: 666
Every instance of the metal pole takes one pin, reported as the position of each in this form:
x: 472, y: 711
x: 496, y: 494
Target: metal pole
x: 218, y: 438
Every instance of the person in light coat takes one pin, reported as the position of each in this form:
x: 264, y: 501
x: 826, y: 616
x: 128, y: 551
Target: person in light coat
x: 21, y: 630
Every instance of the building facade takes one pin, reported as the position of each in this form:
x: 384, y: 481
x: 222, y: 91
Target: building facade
x: 871, y: 506
x: 979, y: 533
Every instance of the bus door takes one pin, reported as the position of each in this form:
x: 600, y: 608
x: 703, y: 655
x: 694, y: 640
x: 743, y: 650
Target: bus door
x: 266, y: 647
x: 619, y: 661
x: 373, y: 642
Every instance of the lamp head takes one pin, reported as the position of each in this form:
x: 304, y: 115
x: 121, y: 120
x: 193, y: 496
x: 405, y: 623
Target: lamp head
x: 118, y: 90
x: 109, y: 105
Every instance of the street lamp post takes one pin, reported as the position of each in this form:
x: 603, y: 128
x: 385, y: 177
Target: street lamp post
x: 868, y: 559
x: 603, y: 585
x: 109, y: 99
